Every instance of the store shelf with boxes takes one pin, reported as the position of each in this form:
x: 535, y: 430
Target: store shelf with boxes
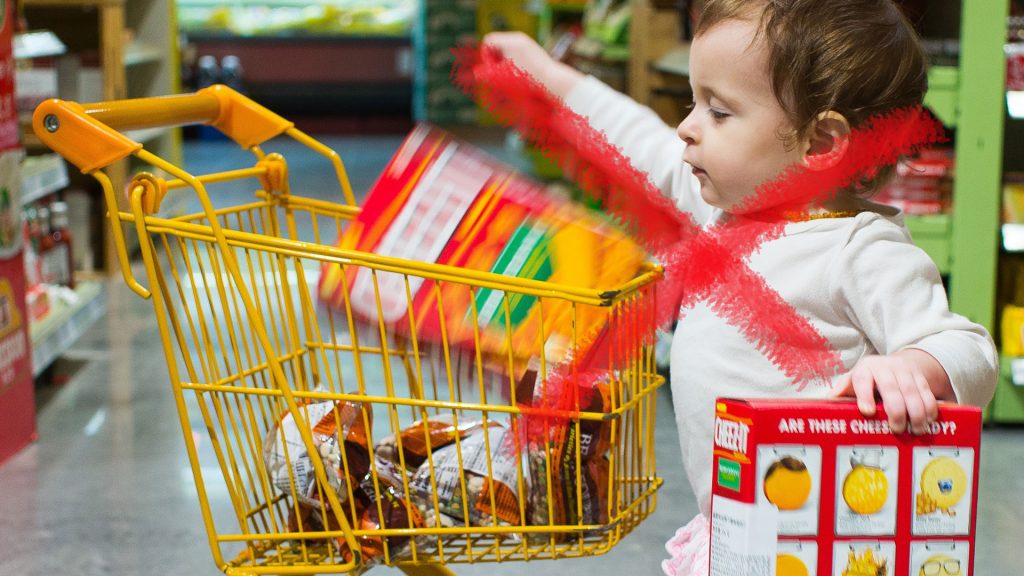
x: 60, y: 308
x: 113, y: 49
x: 1009, y: 403
x: 442, y: 25
x: 86, y: 51
x: 328, y: 65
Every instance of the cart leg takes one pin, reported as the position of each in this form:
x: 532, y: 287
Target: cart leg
x: 426, y: 570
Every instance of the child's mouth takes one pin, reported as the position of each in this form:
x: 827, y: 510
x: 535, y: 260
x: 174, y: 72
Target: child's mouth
x: 698, y: 172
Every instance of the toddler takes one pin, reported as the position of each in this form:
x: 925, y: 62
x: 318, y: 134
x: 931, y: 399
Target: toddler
x: 779, y: 83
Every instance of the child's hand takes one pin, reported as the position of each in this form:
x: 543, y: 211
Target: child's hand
x: 531, y: 58
x: 908, y: 382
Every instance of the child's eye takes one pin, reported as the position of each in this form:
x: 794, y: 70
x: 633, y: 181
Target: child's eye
x: 717, y: 114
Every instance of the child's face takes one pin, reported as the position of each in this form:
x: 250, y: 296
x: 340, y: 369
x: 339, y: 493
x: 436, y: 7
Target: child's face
x: 734, y: 132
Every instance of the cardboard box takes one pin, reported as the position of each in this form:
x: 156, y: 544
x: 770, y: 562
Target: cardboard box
x: 813, y: 487
x: 444, y: 201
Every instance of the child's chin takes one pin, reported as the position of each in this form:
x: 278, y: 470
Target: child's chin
x: 709, y: 195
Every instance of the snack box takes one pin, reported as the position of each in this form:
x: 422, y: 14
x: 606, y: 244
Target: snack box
x: 808, y: 487
x: 441, y: 200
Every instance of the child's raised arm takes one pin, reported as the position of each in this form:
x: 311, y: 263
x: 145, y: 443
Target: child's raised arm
x: 530, y: 57
x: 651, y: 145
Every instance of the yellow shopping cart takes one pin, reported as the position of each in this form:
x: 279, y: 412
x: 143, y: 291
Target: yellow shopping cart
x: 342, y: 443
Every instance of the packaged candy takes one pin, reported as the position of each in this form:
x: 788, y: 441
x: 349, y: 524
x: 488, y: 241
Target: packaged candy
x: 339, y: 434
x: 423, y: 436
x: 553, y: 441
x: 486, y: 495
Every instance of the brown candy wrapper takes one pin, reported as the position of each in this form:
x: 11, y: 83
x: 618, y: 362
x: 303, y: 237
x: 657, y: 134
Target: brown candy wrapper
x: 423, y: 435
x: 552, y: 446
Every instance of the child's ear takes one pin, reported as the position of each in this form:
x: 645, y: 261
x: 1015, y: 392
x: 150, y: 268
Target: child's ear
x: 828, y: 142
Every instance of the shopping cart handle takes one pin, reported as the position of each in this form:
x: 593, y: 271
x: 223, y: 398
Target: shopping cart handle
x: 90, y: 135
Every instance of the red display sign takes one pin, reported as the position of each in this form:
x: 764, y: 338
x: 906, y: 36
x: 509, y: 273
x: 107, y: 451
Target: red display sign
x: 9, y: 137
x: 17, y: 396
x: 816, y: 488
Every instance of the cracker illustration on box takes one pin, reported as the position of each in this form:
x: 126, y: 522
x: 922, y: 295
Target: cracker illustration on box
x: 815, y: 488
x: 790, y: 565
x: 943, y: 484
x: 865, y: 488
x: 865, y: 564
x: 787, y: 484
x: 940, y: 565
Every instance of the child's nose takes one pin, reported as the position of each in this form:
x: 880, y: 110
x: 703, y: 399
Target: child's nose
x: 687, y: 130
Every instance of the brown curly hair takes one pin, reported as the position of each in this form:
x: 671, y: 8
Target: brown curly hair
x: 860, y: 58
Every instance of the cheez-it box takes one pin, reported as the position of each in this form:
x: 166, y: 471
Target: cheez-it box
x: 814, y: 488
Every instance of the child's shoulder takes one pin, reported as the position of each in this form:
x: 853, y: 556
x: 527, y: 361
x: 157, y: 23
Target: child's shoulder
x: 877, y: 241
x: 875, y: 223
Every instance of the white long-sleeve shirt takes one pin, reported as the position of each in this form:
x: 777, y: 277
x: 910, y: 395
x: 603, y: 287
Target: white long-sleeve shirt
x: 860, y: 281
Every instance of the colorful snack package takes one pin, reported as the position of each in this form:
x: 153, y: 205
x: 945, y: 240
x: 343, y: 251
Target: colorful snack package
x: 443, y: 201
x: 307, y: 518
x: 483, y: 492
x: 372, y: 501
x: 435, y: 432
x: 553, y: 440
x: 386, y: 506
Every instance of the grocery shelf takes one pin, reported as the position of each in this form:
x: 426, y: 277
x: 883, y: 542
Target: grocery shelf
x: 37, y: 44
x: 943, y: 90
x: 148, y: 134
x: 1013, y: 237
x: 140, y: 53
x: 1008, y: 405
x: 41, y: 176
x: 676, y: 61
x: 64, y: 325
x: 932, y: 233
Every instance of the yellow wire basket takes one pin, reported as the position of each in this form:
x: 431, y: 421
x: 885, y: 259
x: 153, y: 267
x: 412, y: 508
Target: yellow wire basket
x: 322, y: 442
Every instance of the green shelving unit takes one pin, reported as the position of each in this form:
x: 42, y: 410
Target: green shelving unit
x: 965, y: 244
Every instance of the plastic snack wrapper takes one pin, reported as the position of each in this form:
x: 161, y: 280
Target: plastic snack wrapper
x: 386, y: 506
x: 377, y: 505
x: 494, y: 464
x: 371, y: 494
x: 339, y: 434
x: 424, y: 437
x: 552, y: 445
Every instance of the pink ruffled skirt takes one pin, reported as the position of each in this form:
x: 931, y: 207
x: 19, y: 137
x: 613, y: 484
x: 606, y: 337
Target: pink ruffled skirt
x: 689, y: 549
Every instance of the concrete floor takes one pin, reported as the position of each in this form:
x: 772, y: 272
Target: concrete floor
x: 107, y: 489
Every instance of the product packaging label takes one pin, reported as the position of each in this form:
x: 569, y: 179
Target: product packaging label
x: 789, y: 478
x: 745, y: 536
x: 9, y: 136
x: 443, y: 201
x: 940, y: 558
x: 863, y: 558
x: 796, y: 558
x: 17, y: 395
x: 852, y: 498
x: 943, y: 480
x: 867, y: 479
